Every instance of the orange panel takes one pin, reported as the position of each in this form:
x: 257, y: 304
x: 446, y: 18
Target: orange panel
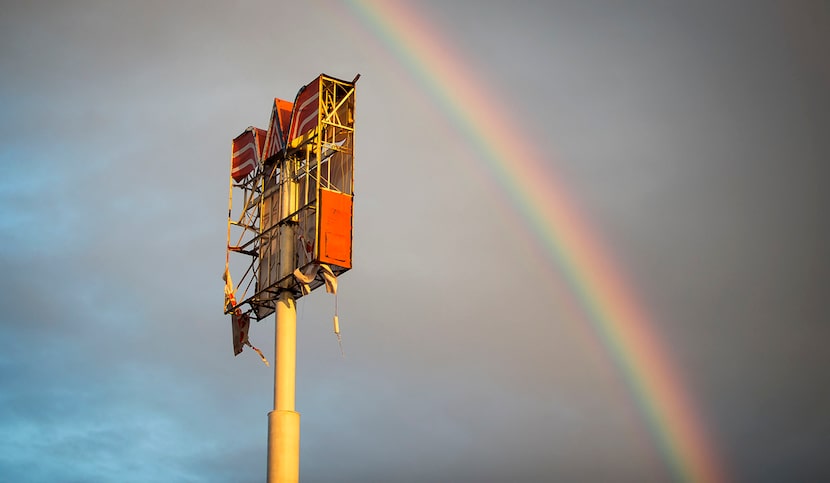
x: 335, y: 230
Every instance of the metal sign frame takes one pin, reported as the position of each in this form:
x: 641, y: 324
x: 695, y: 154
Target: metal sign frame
x: 283, y: 197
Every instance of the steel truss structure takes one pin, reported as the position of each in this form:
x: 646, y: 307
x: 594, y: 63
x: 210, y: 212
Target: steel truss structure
x: 304, y: 192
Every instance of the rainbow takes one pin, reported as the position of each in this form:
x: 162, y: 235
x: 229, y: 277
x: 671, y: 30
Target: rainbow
x: 619, y: 321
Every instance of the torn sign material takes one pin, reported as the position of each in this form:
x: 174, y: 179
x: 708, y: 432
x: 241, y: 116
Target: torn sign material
x: 306, y: 277
x: 329, y: 278
x: 240, y: 322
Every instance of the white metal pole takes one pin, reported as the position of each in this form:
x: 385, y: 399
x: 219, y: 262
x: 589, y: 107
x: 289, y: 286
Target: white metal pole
x: 283, y: 421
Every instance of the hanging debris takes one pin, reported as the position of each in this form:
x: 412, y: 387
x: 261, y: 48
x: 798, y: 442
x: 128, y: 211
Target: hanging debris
x: 240, y: 322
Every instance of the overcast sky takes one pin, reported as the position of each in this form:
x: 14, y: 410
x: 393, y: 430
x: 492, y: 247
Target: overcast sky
x: 693, y: 138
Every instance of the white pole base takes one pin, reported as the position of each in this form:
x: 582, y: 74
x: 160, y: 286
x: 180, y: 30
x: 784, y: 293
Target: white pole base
x: 283, y: 447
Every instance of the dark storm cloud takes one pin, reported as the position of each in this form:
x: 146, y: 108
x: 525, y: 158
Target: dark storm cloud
x: 692, y: 135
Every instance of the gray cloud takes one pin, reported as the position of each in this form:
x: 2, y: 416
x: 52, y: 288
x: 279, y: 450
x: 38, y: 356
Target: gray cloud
x: 693, y: 137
